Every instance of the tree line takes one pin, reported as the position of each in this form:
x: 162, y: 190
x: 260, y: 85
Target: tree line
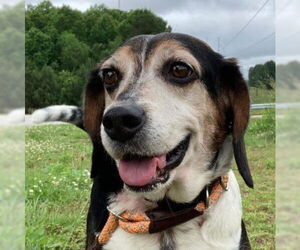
x: 262, y: 75
x: 288, y: 75
x: 63, y: 44
x: 12, y: 57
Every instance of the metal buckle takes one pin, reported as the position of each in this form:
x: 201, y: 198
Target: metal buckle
x: 225, y: 187
x: 117, y: 215
x: 207, y: 196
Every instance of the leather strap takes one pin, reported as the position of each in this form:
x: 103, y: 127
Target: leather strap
x: 162, y: 219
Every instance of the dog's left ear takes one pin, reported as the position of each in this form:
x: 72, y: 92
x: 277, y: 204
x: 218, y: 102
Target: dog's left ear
x: 238, y: 105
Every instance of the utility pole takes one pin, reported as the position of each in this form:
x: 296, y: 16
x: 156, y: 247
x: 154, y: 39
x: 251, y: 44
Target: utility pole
x: 119, y: 4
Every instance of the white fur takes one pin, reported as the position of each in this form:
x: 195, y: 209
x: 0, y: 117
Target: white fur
x: 16, y: 116
x: 221, y: 228
x: 53, y: 113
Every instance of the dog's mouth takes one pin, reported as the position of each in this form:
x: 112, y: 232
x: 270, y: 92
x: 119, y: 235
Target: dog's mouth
x: 144, y: 173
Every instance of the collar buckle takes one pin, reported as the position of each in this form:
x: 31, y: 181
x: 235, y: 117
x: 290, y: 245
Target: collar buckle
x: 116, y: 215
x: 206, y: 196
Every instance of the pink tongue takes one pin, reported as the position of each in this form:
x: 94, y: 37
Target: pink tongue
x: 140, y: 172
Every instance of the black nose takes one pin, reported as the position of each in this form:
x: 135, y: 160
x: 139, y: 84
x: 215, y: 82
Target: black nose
x: 122, y: 123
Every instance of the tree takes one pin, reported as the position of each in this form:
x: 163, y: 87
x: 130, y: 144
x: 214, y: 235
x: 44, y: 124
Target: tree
x: 39, y: 47
x: 11, y: 57
x: 262, y: 75
x: 41, y: 84
x: 142, y: 22
x: 73, y: 53
x: 66, y: 19
x: 63, y: 44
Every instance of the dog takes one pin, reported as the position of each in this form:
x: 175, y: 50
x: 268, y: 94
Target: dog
x: 166, y: 114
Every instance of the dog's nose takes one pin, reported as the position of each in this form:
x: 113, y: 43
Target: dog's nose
x: 122, y: 123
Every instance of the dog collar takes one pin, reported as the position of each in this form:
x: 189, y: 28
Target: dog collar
x: 159, y: 219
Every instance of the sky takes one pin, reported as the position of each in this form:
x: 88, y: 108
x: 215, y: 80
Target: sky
x: 236, y: 28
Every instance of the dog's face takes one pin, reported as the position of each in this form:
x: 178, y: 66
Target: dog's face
x: 164, y: 107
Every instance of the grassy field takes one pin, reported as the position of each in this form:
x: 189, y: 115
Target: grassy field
x: 12, y: 187
x: 58, y: 185
x: 287, y: 180
x: 259, y: 203
x: 260, y: 95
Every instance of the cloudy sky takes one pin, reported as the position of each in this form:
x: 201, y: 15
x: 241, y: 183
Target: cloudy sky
x: 237, y: 28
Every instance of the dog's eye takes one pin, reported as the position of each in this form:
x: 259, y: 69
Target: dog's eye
x: 110, y: 77
x: 180, y: 70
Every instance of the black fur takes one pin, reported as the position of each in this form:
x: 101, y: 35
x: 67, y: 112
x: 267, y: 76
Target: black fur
x: 106, y: 181
x: 242, y: 162
x: 244, y: 242
x: 167, y: 241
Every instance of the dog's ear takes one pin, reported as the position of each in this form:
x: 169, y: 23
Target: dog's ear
x: 106, y: 179
x: 238, y: 105
x: 93, y: 105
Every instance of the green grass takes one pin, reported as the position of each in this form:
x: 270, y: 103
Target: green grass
x: 12, y: 187
x: 260, y: 95
x: 287, y: 95
x: 259, y: 203
x: 58, y: 185
x: 287, y: 180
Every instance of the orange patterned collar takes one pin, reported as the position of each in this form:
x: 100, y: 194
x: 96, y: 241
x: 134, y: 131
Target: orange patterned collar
x: 157, y: 220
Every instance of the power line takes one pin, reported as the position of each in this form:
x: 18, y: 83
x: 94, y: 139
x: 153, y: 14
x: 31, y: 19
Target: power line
x: 246, y: 25
x: 258, y: 42
x: 284, y: 7
x: 289, y: 36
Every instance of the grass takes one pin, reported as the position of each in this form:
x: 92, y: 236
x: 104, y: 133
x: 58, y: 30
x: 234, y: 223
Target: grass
x: 287, y: 178
x: 12, y: 187
x: 259, y: 203
x: 58, y: 185
x: 260, y: 95
x: 287, y: 94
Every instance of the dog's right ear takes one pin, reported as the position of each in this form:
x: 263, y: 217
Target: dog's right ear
x: 92, y: 116
x: 93, y: 105
x: 106, y: 179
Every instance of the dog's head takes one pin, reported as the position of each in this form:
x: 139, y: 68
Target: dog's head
x: 168, y: 110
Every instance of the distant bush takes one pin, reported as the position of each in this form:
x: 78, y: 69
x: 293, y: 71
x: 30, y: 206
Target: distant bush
x: 288, y: 75
x: 262, y: 75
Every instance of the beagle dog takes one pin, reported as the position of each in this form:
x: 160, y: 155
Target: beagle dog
x: 166, y: 114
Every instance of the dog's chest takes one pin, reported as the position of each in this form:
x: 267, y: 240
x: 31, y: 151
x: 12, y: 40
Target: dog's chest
x: 219, y: 228
x: 189, y: 235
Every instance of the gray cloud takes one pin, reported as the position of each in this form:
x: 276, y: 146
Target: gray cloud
x: 288, y: 32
